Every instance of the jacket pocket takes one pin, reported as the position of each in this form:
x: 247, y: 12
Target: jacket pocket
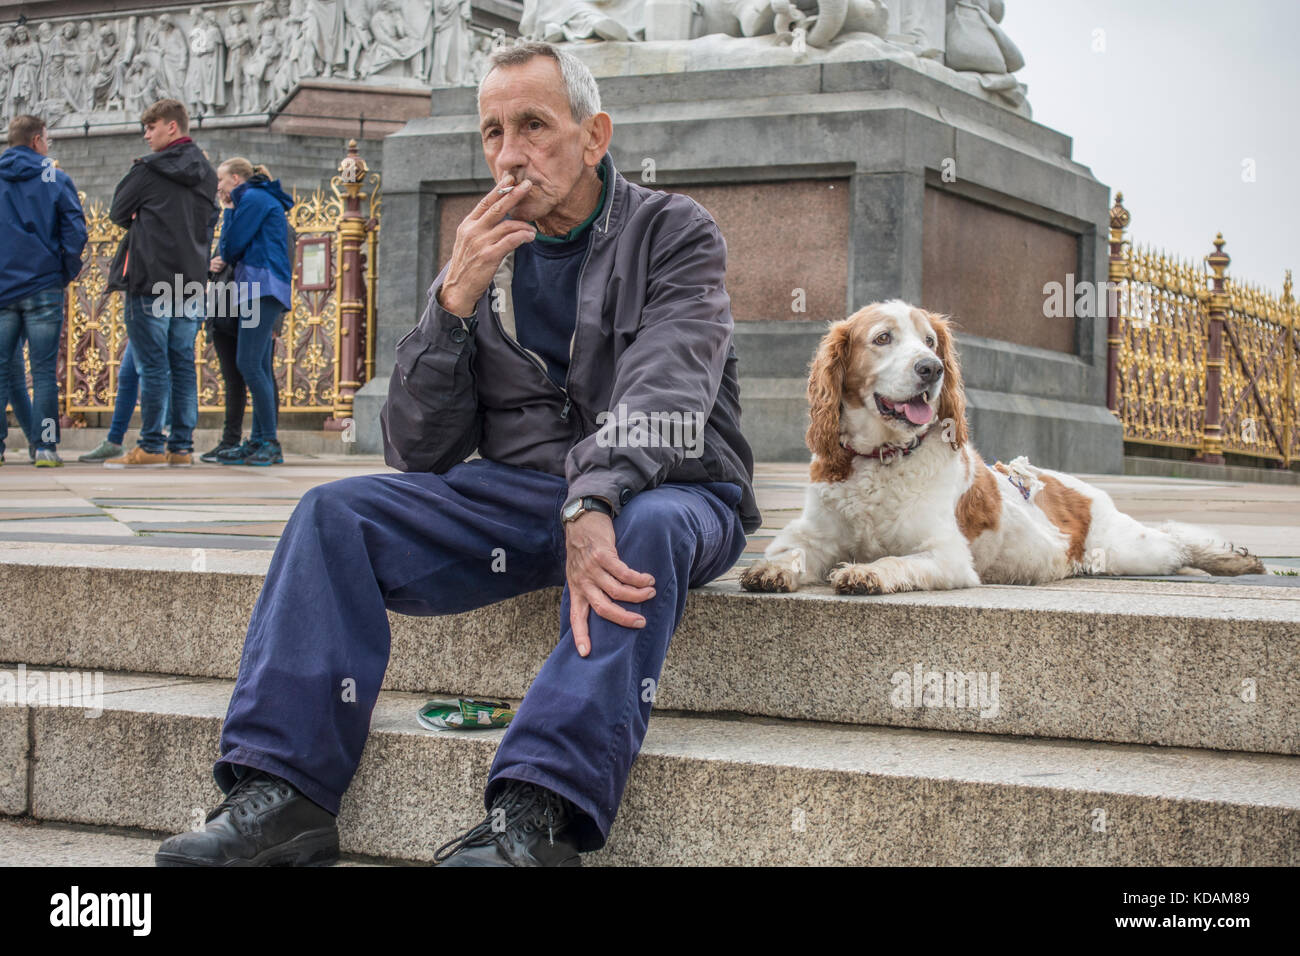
x: 430, y: 420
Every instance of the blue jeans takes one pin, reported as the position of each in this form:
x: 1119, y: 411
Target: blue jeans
x: 128, y: 394
x: 422, y: 544
x: 253, y: 352
x: 164, y: 348
x: 18, y: 397
x: 39, y: 317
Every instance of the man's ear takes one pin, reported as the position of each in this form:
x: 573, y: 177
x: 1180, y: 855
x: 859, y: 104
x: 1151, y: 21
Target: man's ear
x: 599, y: 130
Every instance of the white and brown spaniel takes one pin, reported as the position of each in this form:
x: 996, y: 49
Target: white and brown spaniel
x: 901, y: 501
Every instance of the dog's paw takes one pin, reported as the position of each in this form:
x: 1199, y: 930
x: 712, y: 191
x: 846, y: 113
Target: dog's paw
x: 864, y: 579
x: 856, y: 579
x: 768, y: 576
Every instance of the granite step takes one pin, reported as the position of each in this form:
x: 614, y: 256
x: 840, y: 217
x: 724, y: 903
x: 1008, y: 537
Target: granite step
x: 1180, y: 664
x: 705, y: 790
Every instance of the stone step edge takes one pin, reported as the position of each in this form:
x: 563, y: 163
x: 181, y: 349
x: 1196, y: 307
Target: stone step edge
x: 146, y: 763
x: 1060, y: 673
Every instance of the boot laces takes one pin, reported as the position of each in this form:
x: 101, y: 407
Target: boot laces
x: 523, y: 805
x: 245, y: 795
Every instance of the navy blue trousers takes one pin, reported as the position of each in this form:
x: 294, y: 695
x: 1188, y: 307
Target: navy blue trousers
x: 424, y: 544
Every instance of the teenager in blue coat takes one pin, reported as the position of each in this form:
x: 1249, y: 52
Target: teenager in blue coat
x: 255, y: 242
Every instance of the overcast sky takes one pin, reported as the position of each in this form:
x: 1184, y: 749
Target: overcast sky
x: 1182, y: 94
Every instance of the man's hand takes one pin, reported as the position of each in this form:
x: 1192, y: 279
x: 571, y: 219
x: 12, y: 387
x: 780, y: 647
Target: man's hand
x: 483, y: 239
x: 597, y: 578
x: 217, y: 264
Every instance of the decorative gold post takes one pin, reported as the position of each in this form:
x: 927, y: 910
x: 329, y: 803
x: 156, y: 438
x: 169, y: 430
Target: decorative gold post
x: 1212, y: 440
x: 350, y: 355
x: 1118, y: 273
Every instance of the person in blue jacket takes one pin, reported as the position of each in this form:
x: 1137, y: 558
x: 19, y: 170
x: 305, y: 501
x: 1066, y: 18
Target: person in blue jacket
x: 42, y: 235
x: 255, y: 241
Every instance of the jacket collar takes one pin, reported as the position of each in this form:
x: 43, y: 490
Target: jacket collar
x: 610, y: 218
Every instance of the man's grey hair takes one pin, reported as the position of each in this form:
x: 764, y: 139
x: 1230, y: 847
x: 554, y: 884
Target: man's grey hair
x: 579, y: 84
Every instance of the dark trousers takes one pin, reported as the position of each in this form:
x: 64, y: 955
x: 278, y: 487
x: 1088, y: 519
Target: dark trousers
x: 227, y: 346
x: 163, y: 344
x: 38, y: 318
x: 425, y: 544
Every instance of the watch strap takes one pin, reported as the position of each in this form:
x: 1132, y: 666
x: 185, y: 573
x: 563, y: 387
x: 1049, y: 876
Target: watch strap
x: 593, y: 503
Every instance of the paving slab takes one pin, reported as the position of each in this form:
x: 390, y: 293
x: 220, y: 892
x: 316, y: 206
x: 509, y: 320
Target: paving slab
x: 1262, y: 517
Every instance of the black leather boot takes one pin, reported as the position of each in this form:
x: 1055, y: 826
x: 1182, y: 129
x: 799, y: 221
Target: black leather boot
x: 264, y: 821
x: 527, y: 826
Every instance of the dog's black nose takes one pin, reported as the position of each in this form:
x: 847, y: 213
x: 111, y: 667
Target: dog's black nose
x: 928, y: 369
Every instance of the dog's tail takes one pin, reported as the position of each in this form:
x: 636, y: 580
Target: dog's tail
x: 1200, y: 549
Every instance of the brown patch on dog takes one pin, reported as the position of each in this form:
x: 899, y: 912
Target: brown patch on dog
x: 980, y: 507
x: 825, y: 393
x: 998, y: 466
x: 952, y: 395
x: 1068, y: 509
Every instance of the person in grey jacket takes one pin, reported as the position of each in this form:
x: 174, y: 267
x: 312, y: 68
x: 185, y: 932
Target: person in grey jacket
x: 580, y: 340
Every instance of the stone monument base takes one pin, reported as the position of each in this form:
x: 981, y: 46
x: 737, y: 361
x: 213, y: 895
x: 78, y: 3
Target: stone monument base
x: 835, y: 184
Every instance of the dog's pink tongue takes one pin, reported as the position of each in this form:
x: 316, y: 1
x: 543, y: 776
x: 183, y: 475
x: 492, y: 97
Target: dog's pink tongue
x: 917, y: 412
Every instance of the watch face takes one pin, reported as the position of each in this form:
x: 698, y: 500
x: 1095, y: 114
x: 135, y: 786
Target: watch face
x: 572, y: 509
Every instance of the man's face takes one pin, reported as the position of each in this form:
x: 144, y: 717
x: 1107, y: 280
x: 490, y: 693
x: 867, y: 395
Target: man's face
x: 159, y: 133
x: 529, y: 132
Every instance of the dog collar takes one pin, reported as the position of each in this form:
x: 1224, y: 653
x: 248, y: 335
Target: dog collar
x: 887, y: 454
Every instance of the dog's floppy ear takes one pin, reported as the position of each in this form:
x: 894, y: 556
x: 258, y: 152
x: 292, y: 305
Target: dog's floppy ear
x: 825, y: 392
x: 952, y: 397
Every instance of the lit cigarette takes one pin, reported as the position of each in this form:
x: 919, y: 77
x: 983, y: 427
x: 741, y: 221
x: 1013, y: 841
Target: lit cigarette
x: 505, y: 189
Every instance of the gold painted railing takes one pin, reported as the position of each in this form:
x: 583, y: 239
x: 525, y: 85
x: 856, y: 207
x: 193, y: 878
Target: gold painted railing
x: 316, y: 372
x: 1197, y: 360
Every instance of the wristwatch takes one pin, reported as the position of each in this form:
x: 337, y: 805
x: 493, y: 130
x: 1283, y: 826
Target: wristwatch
x: 580, y: 506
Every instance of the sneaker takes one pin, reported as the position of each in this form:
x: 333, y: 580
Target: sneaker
x: 137, y: 457
x: 236, y: 455
x: 211, y: 456
x: 179, y: 459
x: 527, y: 826
x: 106, y: 449
x: 266, y: 453
x: 31, y: 453
x: 264, y: 821
x: 47, y: 458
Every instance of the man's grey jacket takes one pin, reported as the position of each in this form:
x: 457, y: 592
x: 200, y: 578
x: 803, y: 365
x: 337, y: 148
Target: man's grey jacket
x: 653, y: 334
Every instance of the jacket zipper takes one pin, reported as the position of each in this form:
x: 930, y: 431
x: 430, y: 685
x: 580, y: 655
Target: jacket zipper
x: 577, y: 317
x: 568, y: 402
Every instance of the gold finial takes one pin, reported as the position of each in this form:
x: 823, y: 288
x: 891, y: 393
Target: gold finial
x: 1286, y: 290
x: 1218, y: 259
x: 352, y: 168
x: 1119, y: 216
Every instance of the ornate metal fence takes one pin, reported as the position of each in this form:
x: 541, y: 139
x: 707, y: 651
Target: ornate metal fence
x: 324, y: 352
x: 1198, y: 361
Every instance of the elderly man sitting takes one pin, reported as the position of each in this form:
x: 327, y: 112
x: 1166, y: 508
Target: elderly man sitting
x: 574, y: 303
